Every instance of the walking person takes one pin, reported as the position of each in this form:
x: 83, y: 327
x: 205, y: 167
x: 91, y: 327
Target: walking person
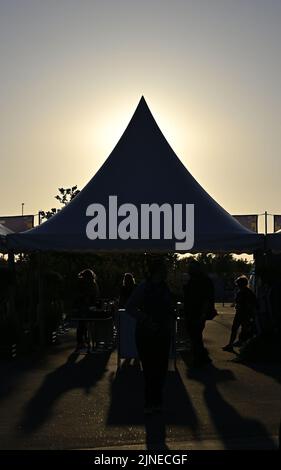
x: 151, y: 305
x: 88, y: 293
x: 245, y: 306
x: 199, y: 302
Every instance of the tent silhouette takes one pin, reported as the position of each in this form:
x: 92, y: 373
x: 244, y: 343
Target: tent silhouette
x: 273, y: 241
x: 141, y: 169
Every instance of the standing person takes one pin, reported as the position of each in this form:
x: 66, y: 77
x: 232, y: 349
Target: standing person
x: 245, y: 306
x: 128, y: 285
x: 88, y: 293
x: 151, y: 304
x: 199, y: 302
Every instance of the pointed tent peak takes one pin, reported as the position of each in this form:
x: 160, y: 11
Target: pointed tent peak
x: 144, y: 139
x: 143, y: 101
x: 143, y: 118
x: 143, y: 106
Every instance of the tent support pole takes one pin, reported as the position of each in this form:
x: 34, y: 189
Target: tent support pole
x: 40, y: 306
x: 12, y: 290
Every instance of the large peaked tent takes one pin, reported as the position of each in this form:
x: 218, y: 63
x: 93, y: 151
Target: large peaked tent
x: 142, y: 169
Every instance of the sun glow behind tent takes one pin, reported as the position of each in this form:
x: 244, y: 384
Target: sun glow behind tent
x: 141, y: 170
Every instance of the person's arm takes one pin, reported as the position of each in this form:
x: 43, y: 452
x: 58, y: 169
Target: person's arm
x: 97, y: 290
x: 121, y: 299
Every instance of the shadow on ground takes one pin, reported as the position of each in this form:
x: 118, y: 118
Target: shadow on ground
x: 13, y: 370
x: 83, y: 374
x: 127, y: 404
x: 228, y: 422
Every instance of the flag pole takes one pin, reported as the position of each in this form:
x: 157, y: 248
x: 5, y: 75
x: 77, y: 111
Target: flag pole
x: 265, y: 222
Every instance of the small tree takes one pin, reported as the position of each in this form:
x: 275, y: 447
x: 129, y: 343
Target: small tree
x: 64, y: 197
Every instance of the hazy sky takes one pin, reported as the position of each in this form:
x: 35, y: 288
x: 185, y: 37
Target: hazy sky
x: 72, y: 73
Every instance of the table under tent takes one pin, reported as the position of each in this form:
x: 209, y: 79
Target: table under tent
x: 141, y: 177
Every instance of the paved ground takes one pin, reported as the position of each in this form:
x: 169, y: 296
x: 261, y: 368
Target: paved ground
x: 65, y: 401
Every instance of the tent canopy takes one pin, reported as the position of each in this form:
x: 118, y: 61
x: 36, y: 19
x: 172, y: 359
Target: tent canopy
x: 142, y: 169
x: 273, y: 241
x: 4, y: 230
x: 3, y: 242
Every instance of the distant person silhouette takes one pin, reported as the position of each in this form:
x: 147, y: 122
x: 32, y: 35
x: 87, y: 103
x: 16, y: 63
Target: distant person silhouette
x: 245, y: 306
x: 88, y: 294
x: 198, y: 307
x: 151, y: 304
x: 128, y: 285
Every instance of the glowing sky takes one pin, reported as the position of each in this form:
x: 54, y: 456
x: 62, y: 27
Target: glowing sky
x: 72, y: 73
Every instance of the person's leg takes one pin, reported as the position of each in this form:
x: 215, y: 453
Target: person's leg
x: 91, y: 335
x: 146, y: 355
x: 160, y: 368
x: 234, y: 330
x: 235, y: 327
x: 247, y: 329
x: 150, y: 376
x: 195, y: 341
x: 200, y: 353
x: 79, y: 333
x: 191, y: 336
x: 203, y: 352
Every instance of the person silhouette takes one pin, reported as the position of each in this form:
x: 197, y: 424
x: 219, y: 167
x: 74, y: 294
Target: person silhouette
x: 88, y: 293
x: 128, y: 285
x: 198, y: 305
x: 151, y: 305
x: 245, y: 306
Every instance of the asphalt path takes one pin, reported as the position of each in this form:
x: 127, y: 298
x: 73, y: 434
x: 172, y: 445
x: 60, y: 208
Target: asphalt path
x: 61, y: 400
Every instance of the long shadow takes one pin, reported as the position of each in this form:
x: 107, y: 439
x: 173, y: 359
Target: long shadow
x: 228, y: 422
x: 271, y: 370
x: 127, y: 403
x: 262, y: 354
x: 12, y: 372
x: 83, y: 374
